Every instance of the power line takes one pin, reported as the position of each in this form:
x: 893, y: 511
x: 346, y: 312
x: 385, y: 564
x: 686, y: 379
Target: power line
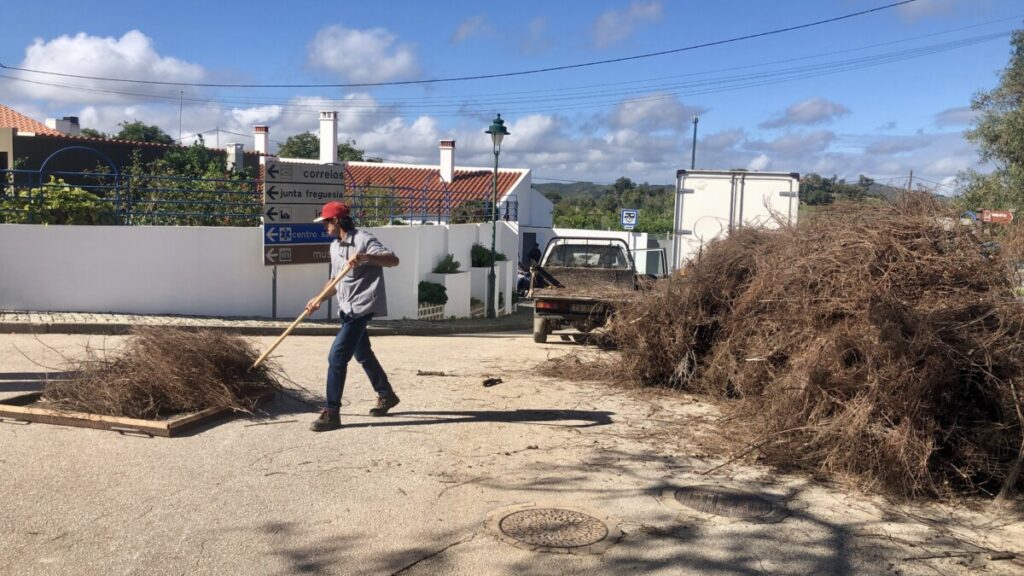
x: 589, y: 99
x: 482, y: 76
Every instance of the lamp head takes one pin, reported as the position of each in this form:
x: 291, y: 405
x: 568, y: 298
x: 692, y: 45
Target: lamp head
x: 497, y: 131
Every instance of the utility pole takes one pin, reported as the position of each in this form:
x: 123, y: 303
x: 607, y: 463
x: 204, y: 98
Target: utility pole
x: 693, y: 148
x: 181, y: 99
x: 910, y: 181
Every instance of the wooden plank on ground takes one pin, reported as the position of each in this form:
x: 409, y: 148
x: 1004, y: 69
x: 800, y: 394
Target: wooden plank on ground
x: 21, y: 408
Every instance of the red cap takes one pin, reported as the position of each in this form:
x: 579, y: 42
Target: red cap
x: 332, y: 210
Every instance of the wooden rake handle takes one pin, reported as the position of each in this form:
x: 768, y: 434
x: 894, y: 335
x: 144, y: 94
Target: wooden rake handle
x: 320, y: 296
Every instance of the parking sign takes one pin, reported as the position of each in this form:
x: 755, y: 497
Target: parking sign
x: 629, y: 218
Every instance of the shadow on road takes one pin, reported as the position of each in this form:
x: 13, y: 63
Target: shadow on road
x: 588, y: 418
x: 30, y: 381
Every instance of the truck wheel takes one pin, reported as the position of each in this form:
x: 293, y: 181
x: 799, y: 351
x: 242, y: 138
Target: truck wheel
x: 540, y: 330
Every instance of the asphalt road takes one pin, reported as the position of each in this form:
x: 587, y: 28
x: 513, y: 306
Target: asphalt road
x: 418, y: 492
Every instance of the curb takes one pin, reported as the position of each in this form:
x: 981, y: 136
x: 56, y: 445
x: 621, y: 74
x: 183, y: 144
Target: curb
x: 312, y: 330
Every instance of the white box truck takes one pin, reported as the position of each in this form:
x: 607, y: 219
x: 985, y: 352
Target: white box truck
x: 711, y: 203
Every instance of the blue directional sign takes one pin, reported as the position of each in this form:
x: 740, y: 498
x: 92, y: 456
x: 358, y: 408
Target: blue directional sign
x: 629, y: 218
x: 295, y: 234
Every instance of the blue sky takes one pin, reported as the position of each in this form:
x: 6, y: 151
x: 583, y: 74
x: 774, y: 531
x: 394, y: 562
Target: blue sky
x: 879, y: 94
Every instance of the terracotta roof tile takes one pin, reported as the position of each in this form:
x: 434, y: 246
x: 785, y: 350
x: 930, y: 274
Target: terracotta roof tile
x: 11, y: 119
x: 421, y: 187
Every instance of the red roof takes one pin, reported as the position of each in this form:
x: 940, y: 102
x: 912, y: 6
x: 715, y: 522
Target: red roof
x: 11, y: 119
x: 423, y: 183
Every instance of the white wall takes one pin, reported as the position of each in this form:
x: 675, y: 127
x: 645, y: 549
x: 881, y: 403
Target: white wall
x: 201, y: 271
x: 540, y: 209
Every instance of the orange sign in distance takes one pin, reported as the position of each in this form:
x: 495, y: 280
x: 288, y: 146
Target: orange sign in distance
x: 997, y: 216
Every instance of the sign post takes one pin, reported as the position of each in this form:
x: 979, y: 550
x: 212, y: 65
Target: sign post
x: 629, y: 218
x: 293, y: 194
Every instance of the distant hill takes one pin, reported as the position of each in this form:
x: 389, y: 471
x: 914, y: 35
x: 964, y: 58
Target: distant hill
x: 570, y: 190
x: 894, y: 193
x: 597, y: 206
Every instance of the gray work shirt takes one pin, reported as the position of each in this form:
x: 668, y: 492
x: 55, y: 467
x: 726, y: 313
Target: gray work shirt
x: 361, y: 291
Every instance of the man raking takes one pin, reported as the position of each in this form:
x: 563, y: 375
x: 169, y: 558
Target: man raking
x: 361, y: 296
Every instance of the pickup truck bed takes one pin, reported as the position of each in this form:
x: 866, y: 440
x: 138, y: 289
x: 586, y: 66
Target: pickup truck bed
x: 586, y: 282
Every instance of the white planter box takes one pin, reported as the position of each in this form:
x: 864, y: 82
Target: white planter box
x: 478, y: 282
x: 457, y: 286
x: 504, y: 282
x: 505, y: 272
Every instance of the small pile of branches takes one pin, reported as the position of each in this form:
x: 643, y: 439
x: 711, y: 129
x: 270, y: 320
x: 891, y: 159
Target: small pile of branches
x: 881, y: 343
x: 163, y: 372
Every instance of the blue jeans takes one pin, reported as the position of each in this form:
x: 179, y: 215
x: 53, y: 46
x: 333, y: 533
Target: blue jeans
x: 352, y: 340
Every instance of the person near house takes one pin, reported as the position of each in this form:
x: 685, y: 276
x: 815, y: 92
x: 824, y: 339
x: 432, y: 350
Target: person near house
x: 533, y: 256
x: 361, y: 296
x: 522, y: 281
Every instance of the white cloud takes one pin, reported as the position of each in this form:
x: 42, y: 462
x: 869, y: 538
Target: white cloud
x: 130, y: 56
x: 898, y: 144
x: 615, y: 25
x: 808, y: 112
x: 797, y: 143
x: 256, y: 115
x: 538, y: 133
x: 362, y: 55
x: 722, y: 140
x: 928, y: 8
x: 961, y: 116
x: 948, y: 164
x: 762, y: 162
x: 472, y: 26
x: 658, y: 111
x: 194, y: 119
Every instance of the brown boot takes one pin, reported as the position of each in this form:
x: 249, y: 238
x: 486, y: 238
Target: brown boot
x: 384, y: 404
x: 328, y: 420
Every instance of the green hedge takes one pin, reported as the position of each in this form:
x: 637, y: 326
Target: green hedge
x: 481, y: 256
x: 432, y: 293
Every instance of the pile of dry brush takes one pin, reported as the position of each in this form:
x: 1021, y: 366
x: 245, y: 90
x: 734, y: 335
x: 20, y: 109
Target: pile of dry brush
x: 162, y: 372
x: 878, y: 343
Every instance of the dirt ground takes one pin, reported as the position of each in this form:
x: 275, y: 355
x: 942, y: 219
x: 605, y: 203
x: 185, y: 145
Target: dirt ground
x: 412, y: 493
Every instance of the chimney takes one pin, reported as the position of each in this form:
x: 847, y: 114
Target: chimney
x: 234, y: 157
x: 447, y: 161
x: 329, y: 137
x: 262, y: 136
x: 66, y: 125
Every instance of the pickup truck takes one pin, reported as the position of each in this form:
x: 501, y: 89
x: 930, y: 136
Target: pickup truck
x: 581, y: 281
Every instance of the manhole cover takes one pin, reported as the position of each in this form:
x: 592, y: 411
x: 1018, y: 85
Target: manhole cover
x: 723, y: 502
x: 554, y: 528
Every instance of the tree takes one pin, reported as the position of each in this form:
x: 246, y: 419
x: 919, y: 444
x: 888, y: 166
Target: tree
x: 307, y: 145
x: 195, y: 161
x: 93, y: 133
x: 347, y: 152
x: 999, y: 133
x: 137, y: 131
x: 598, y: 207
x: 815, y: 190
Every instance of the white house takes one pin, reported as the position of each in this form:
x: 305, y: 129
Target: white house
x: 441, y: 193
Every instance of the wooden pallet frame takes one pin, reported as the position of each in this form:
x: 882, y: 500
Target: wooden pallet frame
x: 18, y: 408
